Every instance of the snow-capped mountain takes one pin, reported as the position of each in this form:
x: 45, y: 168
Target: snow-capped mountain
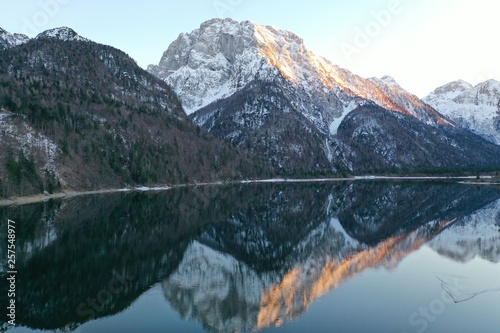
x: 8, y: 40
x: 476, y: 108
x: 63, y: 33
x: 408, y: 102
x: 263, y: 90
x: 222, y: 56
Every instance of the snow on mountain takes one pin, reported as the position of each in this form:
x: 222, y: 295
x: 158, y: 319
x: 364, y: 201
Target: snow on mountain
x: 476, y: 108
x: 450, y: 90
x: 8, y: 40
x: 14, y: 130
x: 409, y: 103
x: 264, y: 91
x: 63, y: 33
x: 476, y: 235
x: 210, y: 63
x: 222, y: 56
x: 59, y: 86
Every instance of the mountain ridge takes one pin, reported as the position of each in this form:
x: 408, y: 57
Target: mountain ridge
x: 257, y: 51
x: 8, y: 40
x: 476, y: 108
x: 217, y: 69
x: 62, y: 33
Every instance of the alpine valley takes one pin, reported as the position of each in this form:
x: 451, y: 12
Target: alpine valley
x: 230, y: 100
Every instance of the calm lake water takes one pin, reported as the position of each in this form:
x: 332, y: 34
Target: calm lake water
x: 333, y: 257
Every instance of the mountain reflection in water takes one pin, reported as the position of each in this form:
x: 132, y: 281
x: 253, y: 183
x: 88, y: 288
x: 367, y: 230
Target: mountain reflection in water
x: 238, y: 257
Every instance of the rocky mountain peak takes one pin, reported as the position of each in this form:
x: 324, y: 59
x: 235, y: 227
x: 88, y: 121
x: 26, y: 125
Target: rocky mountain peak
x: 476, y: 108
x: 63, y: 33
x: 263, y: 90
x: 223, y: 56
x: 388, y: 80
x: 488, y: 92
x: 452, y: 89
x: 8, y: 40
x: 209, y: 63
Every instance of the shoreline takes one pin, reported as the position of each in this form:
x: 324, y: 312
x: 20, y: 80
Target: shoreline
x: 25, y: 200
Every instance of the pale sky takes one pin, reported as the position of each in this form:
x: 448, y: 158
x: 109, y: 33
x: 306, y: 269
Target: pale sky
x: 421, y: 43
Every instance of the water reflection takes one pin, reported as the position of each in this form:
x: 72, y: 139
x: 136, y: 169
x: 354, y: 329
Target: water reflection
x: 235, y: 258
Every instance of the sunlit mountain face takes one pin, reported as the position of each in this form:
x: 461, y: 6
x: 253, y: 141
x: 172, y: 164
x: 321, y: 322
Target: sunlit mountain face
x: 223, y: 56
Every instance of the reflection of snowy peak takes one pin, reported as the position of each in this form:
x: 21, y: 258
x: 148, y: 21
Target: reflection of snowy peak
x: 269, y: 262
x: 474, y: 108
x: 226, y: 295
x: 477, y: 235
x: 208, y: 283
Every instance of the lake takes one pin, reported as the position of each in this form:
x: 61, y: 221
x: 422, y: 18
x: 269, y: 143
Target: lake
x: 321, y: 257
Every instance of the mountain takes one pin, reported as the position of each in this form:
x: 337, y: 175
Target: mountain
x: 8, y: 40
x: 476, y: 108
x: 262, y: 90
x: 63, y: 33
x: 79, y: 115
x: 371, y: 138
x: 223, y: 56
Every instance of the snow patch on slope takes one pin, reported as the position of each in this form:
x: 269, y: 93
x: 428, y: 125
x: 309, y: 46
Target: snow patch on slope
x: 21, y: 135
x: 334, y: 126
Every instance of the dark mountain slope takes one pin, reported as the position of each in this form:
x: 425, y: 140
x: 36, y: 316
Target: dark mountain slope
x: 85, y: 116
x: 261, y: 119
x: 372, y: 138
